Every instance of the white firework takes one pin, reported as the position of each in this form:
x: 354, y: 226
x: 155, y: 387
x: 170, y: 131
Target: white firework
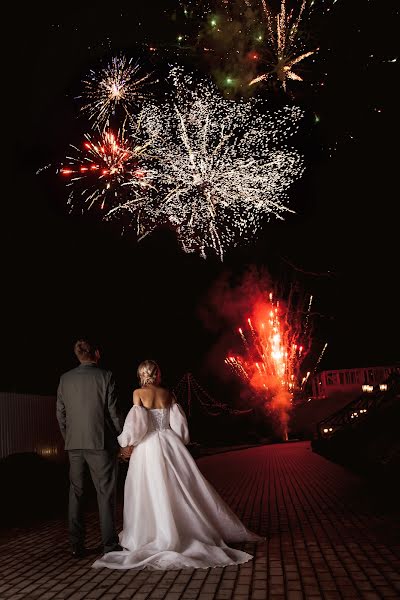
x: 285, y: 47
x: 117, y: 84
x: 223, y: 165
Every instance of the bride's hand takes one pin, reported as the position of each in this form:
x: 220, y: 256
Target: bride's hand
x: 125, y: 453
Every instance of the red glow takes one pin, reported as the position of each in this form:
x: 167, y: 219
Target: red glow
x: 253, y: 55
x: 270, y: 363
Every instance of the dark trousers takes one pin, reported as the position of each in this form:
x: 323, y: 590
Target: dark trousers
x: 103, y: 470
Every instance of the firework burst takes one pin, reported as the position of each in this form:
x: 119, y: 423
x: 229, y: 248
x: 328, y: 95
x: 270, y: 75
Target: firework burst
x: 97, y: 171
x: 119, y: 84
x: 285, y: 48
x: 275, y: 342
x: 223, y: 165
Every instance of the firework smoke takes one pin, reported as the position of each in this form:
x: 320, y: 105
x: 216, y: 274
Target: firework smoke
x: 275, y: 344
x: 271, y: 348
x: 248, y: 42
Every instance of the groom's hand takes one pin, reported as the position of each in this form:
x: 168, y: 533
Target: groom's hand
x: 125, y: 453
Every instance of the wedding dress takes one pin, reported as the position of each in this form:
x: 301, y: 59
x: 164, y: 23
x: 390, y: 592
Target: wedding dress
x: 173, y: 518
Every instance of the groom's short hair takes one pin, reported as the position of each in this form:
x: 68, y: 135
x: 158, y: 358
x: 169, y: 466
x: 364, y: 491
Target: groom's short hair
x: 85, y: 349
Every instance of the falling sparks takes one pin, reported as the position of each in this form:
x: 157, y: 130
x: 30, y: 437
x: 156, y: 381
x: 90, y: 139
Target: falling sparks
x: 284, y: 46
x: 320, y: 357
x: 118, y: 84
x: 275, y: 343
x: 218, y: 169
x: 223, y: 165
x: 98, y: 170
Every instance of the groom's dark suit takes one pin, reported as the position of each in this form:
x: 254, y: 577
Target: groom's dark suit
x: 89, y: 422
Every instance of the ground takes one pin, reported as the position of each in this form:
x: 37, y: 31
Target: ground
x: 330, y: 535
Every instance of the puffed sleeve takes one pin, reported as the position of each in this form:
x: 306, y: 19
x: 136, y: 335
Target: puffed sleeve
x: 178, y: 422
x: 135, y: 427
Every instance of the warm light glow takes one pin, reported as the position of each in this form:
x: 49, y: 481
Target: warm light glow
x: 47, y: 451
x: 368, y: 388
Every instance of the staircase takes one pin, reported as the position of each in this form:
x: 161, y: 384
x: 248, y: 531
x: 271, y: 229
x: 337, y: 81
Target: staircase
x: 365, y: 434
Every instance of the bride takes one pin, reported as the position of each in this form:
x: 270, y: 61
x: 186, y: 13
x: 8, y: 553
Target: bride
x: 173, y: 518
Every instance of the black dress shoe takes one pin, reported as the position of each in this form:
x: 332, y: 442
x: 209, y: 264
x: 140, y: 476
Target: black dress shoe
x: 116, y: 548
x: 78, y: 552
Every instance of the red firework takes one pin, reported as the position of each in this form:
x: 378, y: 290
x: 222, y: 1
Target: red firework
x: 103, y: 166
x: 275, y: 343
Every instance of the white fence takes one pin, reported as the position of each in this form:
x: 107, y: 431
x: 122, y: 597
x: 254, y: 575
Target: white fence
x: 28, y: 424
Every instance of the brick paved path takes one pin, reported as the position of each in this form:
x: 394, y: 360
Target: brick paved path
x: 326, y: 539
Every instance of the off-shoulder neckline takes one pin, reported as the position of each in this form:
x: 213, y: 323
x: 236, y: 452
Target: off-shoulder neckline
x: 141, y: 406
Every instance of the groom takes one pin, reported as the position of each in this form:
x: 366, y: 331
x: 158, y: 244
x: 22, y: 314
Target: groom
x: 89, y: 423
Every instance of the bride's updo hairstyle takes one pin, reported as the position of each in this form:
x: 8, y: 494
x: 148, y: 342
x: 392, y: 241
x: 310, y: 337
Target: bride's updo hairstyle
x: 149, y: 372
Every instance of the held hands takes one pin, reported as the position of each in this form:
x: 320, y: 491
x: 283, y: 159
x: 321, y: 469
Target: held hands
x: 125, y: 453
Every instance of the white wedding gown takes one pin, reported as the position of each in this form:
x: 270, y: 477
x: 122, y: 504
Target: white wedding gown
x: 173, y: 518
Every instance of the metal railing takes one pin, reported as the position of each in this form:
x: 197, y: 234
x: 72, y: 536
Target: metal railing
x: 354, y: 413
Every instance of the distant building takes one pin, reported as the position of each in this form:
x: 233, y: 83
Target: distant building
x: 351, y: 382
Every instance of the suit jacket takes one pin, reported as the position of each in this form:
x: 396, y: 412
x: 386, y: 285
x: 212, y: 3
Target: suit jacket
x: 87, y: 409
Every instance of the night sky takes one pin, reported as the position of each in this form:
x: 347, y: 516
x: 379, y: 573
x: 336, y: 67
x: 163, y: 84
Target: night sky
x: 69, y: 275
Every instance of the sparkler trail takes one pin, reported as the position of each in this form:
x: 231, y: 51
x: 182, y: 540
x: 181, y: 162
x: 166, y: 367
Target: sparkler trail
x: 308, y: 314
x: 320, y: 357
x: 324, y: 6
x: 223, y: 165
x: 285, y: 47
x: 118, y: 84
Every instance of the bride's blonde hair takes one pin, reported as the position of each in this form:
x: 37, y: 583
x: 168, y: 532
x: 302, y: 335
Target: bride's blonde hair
x: 149, y: 372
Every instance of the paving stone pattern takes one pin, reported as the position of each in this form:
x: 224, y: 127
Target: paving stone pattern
x: 324, y: 540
